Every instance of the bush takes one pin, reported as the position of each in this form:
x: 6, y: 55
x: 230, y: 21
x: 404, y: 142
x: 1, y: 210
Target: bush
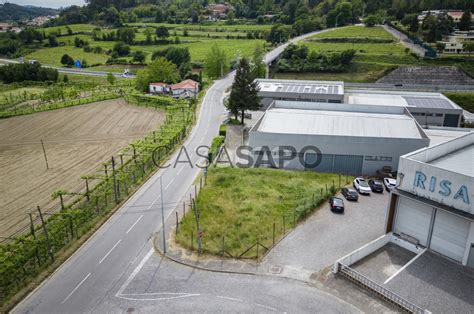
x: 215, y: 146
x: 27, y: 72
x: 223, y: 130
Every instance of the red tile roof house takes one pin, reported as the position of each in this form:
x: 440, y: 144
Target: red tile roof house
x: 185, y: 89
x: 159, y: 88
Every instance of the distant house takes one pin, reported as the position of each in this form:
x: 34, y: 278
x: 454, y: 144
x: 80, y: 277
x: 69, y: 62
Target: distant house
x: 219, y: 10
x: 185, y: 89
x: 456, y: 15
x: 159, y: 88
x: 4, y: 27
x: 454, y: 43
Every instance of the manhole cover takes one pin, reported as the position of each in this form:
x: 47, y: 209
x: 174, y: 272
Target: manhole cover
x: 275, y: 269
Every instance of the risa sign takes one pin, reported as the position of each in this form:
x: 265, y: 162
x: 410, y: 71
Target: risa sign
x: 445, y: 188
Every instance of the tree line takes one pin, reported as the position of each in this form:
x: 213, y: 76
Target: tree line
x: 27, y: 72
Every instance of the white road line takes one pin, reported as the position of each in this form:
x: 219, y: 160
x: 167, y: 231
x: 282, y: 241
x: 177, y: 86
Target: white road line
x: 77, y: 287
x: 404, y: 266
x: 167, y: 186
x: 228, y: 298
x: 179, y: 171
x: 134, y: 273
x: 129, y: 229
x: 266, y: 307
x: 110, y: 251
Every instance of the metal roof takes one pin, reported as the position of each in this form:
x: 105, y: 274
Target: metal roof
x: 338, y: 123
x: 428, y: 102
x: 301, y: 87
x: 460, y: 161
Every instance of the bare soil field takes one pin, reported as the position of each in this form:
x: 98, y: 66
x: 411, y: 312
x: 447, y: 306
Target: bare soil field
x: 76, y: 139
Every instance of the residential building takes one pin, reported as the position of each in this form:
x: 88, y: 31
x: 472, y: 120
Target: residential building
x: 4, y: 27
x: 159, y: 88
x: 185, y: 89
x: 454, y: 43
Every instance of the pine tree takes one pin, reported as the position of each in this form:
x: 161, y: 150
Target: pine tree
x: 243, y: 95
x: 465, y: 22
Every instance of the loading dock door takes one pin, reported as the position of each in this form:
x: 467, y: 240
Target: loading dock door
x: 449, y: 235
x: 351, y: 164
x: 413, y: 219
x: 325, y: 164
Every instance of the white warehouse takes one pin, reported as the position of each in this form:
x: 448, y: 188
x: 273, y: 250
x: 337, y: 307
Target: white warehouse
x: 349, y: 139
x: 432, y: 205
x: 433, y: 109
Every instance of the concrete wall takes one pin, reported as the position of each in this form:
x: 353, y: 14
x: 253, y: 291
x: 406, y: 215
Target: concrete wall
x: 341, y: 145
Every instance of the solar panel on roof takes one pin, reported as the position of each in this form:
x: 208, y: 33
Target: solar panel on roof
x: 425, y: 102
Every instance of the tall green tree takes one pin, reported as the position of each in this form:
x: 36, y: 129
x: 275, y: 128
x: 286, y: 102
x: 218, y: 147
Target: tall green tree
x: 465, y: 22
x: 259, y: 68
x: 162, y: 33
x: 160, y: 70
x: 216, y: 63
x: 243, y: 95
x: 111, y: 78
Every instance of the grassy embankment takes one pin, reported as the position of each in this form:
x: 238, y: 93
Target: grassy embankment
x: 240, y: 206
x: 374, y: 58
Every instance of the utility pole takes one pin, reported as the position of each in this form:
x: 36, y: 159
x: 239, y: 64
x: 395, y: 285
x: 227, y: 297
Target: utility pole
x: 198, y: 227
x: 44, y: 153
x: 115, y: 181
x: 162, y: 215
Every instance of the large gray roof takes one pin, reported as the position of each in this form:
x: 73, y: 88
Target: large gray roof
x: 426, y: 102
x: 338, y: 123
x: 301, y: 87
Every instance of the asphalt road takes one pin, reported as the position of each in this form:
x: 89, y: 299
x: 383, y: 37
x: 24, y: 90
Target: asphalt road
x: 105, y: 263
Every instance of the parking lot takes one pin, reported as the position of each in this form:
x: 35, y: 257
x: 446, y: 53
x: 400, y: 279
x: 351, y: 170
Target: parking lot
x: 325, y: 236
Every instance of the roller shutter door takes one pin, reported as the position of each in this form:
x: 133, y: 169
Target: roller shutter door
x: 350, y: 164
x: 450, y: 234
x: 324, y: 166
x: 413, y: 219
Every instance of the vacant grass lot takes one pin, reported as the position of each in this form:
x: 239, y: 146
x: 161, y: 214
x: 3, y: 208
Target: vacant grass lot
x: 355, y: 32
x: 52, y: 56
x: 241, y: 206
x: 74, y: 27
x: 213, y: 27
x: 464, y: 100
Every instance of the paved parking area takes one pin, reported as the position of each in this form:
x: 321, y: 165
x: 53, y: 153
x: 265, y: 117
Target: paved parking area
x: 436, y: 284
x: 325, y: 237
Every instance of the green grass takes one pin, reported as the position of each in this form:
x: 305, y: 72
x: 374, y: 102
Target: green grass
x: 74, y: 27
x: 355, y: 32
x: 464, y: 100
x: 361, y: 49
x: 52, y: 56
x: 243, y: 204
x: 357, y: 72
x: 210, y: 27
x: 22, y: 91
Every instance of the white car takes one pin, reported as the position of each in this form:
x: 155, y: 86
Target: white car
x: 389, y: 183
x: 361, y: 186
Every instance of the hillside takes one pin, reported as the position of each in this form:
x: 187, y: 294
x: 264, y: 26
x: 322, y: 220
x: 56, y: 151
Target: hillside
x: 13, y: 12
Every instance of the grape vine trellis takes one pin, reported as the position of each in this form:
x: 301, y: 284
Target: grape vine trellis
x: 25, y: 256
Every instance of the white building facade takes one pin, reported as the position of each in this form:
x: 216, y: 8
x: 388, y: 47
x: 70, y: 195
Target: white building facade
x: 432, y: 204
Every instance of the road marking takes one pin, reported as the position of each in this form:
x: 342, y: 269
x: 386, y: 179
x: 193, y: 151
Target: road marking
x: 404, y: 266
x: 129, y: 229
x: 179, y: 171
x: 266, y: 307
x: 176, y: 296
x: 110, y: 251
x: 77, y: 287
x: 167, y: 186
x: 229, y: 298
x: 134, y: 273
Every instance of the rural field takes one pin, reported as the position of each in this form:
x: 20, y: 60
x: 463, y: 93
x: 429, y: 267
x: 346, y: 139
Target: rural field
x: 77, y: 141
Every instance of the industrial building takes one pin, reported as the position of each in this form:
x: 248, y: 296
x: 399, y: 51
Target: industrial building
x: 431, y: 109
x: 432, y: 205
x: 317, y: 91
x: 350, y: 139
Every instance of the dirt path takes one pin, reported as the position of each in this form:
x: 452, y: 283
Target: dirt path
x: 77, y: 140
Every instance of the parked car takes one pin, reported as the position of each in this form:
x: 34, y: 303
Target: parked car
x: 376, y: 186
x: 336, y: 204
x: 361, y: 186
x: 389, y: 183
x: 350, y: 194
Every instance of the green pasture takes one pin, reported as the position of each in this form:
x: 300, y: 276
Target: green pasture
x: 76, y: 28
x: 355, y: 32
x: 52, y: 56
x: 200, y: 27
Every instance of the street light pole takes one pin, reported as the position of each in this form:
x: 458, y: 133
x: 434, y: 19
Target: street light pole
x: 162, y: 215
x: 337, y: 17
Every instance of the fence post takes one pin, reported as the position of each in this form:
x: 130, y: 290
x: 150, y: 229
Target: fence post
x: 326, y: 188
x: 32, y: 227
x: 61, y: 200
x: 87, y: 190
x: 223, y: 246
x: 50, y: 250
x: 294, y: 217
x: 273, y: 234
x: 257, y: 250
x: 192, y: 240
x: 184, y: 209
x: 116, y: 192
x: 196, y: 214
x: 339, y: 180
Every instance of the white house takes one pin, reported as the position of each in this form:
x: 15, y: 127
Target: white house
x: 159, y: 88
x: 185, y: 89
